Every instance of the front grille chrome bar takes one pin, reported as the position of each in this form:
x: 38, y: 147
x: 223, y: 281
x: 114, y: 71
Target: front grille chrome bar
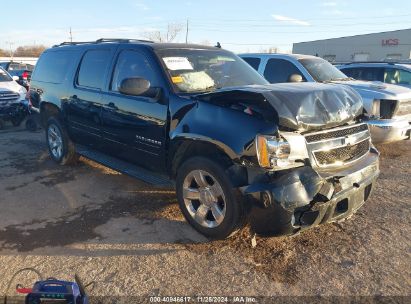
x: 338, y: 146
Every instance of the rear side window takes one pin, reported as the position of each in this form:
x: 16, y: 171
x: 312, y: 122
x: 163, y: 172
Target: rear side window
x: 93, y: 69
x: 254, y: 62
x: 53, y: 66
x: 280, y: 70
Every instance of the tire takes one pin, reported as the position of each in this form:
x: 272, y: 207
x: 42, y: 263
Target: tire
x: 61, y: 148
x: 208, y: 200
x: 16, y: 121
x: 31, y: 125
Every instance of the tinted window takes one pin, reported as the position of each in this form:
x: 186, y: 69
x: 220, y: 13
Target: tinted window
x: 93, y: 68
x: 396, y: 76
x: 254, y: 62
x: 53, y: 66
x: 132, y: 64
x: 369, y: 74
x: 20, y: 66
x: 352, y: 72
x: 280, y: 70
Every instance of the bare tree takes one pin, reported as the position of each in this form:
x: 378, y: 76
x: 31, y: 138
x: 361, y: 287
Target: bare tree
x: 272, y: 49
x: 173, y: 29
x: 3, y: 53
x: 29, y: 51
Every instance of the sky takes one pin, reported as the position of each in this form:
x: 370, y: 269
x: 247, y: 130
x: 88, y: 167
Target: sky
x: 239, y: 26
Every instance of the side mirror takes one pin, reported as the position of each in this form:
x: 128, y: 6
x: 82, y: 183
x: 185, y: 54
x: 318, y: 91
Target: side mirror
x: 137, y: 86
x: 295, y: 78
x: 134, y: 86
x: 16, y: 78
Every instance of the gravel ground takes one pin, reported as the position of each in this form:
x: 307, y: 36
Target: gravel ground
x: 131, y: 240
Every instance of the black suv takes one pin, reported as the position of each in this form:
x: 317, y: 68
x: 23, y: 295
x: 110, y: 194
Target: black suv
x: 281, y: 157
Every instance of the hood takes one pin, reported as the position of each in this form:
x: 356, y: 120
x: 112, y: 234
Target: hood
x: 299, y: 106
x: 13, y: 86
x: 378, y: 90
x: 10, y: 86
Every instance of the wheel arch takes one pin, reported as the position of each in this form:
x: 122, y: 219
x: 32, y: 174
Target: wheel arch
x: 48, y: 109
x: 186, y: 146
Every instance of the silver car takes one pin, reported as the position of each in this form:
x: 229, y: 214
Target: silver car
x: 388, y: 106
x: 392, y: 73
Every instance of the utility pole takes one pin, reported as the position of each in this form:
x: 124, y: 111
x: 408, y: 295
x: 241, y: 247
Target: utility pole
x: 71, y: 35
x: 187, y: 32
x: 10, y: 43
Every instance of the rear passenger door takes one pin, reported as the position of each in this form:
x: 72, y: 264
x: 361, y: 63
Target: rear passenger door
x: 280, y: 70
x: 83, y: 108
x: 134, y: 127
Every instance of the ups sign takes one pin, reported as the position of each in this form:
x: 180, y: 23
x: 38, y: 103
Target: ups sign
x: 390, y: 42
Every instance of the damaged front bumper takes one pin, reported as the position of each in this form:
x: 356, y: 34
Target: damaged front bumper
x: 293, y: 201
x: 389, y: 130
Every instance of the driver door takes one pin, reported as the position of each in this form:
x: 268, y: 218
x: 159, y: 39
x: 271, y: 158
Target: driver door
x: 134, y: 127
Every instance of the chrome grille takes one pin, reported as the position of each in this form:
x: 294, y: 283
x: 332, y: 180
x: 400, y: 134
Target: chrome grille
x: 8, y: 96
x: 344, y: 154
x: 335, y: 133
x: 404, y: 107
x: 338, y: 146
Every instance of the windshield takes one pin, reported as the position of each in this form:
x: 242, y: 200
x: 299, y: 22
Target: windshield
x: 321, y: 70
x: 4, y: 77
x: 198, y: 71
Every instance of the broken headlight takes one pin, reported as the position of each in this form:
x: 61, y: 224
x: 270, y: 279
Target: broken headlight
x: 382, y: 108
x: 285, y: 151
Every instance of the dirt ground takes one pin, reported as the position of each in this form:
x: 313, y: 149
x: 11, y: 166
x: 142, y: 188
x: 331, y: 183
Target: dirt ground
x: 131, y: 240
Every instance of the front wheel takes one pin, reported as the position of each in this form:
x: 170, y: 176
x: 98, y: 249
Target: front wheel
x: 61, y: 148
x: 207, y: 198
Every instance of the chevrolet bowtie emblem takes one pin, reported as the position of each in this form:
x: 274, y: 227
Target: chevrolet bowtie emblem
x: 349, y: 140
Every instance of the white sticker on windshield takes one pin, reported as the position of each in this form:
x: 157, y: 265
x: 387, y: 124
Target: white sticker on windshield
x: 177, y: 63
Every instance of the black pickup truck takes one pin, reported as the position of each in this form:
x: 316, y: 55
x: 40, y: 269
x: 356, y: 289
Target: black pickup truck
x: 282, y: 158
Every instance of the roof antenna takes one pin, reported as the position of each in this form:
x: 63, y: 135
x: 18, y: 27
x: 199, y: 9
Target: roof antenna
x: 218, y: 45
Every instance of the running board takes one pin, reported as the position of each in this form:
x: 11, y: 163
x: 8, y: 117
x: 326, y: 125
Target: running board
x: 132, y: 170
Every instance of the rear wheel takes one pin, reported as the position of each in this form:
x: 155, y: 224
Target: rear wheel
x: 207, y: 198
x: 16, y: 121
x: 61, y: 148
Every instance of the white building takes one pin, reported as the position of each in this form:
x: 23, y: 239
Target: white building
x: 394, y: 45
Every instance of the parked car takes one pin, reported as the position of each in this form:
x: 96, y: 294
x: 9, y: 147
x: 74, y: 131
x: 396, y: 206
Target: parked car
x: 22, y: 70
x: 282, y: 157
x: 388, y: 72
x: 12, y: 97
x: 388, y: 106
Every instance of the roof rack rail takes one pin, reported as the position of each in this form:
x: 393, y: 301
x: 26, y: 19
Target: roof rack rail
x: 122, y: 40
x: 376, y: 61
x: 103, y: 40
x: 72, y: 43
